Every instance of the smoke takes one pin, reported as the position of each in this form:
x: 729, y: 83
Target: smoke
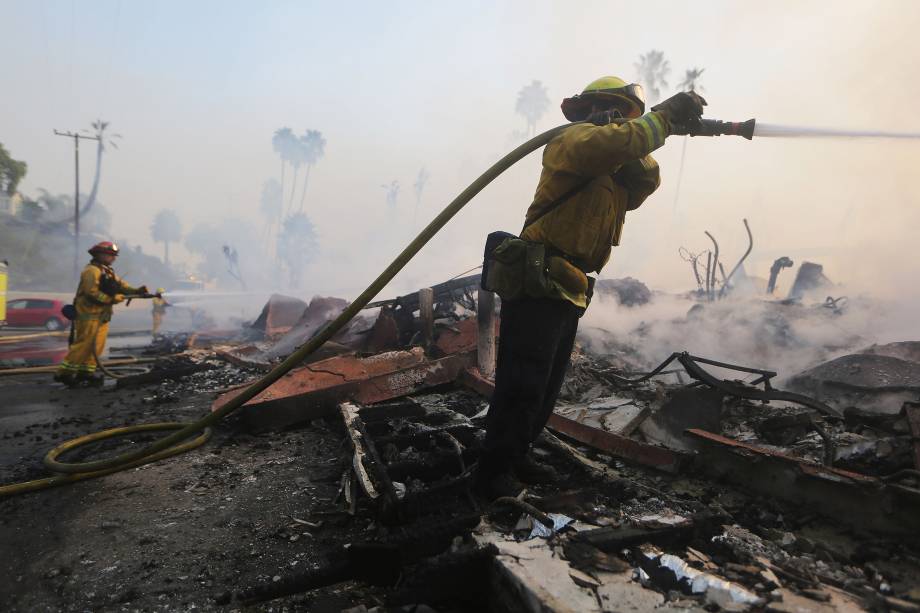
x: 206, y: 311
x: 849, y: 205
x: 750, y: 331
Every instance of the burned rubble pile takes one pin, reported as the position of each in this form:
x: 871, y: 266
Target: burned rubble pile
x: 686, y: 482
x: 699, y: 485
x: 612, y: 533
x: 286, y: 323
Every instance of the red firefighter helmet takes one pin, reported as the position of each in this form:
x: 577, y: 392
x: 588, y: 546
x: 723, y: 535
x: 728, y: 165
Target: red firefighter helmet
x: 107, y: 247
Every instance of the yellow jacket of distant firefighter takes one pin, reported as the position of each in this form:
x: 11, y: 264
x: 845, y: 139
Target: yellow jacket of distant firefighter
x: 91, y: 302
x: 618, y: 174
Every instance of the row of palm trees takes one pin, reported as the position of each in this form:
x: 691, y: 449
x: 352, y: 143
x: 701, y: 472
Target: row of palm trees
x: 298, y: 152
x: 304, y: 151
x: 652, y: 70
x: 295, y: 237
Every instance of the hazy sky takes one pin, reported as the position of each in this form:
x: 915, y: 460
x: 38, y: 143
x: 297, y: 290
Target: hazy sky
x: 197, y: 89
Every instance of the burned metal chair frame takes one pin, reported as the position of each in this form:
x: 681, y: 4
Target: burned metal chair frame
x: 738, y: 389
x: 391, y: 508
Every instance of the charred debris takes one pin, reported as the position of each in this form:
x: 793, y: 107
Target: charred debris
x: 691, y: 484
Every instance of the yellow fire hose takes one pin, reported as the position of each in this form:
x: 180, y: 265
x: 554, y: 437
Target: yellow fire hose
x: 170, y: 445
x: 40, y: 484
x: 33, y: 370
x: 25, y: 337
x: 102, y: 366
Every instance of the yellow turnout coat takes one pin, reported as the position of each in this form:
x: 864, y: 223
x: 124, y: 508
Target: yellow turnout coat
x: 94, y: 311
x: 618, y: 174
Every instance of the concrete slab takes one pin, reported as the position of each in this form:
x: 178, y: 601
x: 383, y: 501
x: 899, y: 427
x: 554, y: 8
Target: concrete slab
x: 533, y: 577
x: 624, y: 420
x: 618, y: 593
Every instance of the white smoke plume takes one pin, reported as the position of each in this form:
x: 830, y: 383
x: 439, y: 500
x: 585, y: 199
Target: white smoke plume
x: 750, y: 331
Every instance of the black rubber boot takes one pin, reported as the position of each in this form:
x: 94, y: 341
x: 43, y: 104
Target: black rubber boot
x: 66, y: 378
x: 533, y: 472
x: 90, y: 380
x: 497, y: 485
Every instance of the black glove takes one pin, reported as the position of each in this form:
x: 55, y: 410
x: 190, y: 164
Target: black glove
x: 602, y: 118
x: 683, y: 111
x: 108, y: 285
x: 142, y: 290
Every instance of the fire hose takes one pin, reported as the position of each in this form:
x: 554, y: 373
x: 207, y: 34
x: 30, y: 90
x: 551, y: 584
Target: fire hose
x: 173, y: 444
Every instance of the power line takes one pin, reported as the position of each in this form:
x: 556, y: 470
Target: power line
x: 76, y: 194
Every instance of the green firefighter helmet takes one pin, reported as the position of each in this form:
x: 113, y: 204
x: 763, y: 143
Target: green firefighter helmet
x: 613, y: 89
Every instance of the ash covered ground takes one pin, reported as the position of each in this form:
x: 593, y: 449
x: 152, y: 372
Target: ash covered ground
x: 260, y: 509
x: 170, y: 536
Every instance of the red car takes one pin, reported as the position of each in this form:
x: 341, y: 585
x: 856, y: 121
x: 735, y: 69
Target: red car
x: 36, y: 312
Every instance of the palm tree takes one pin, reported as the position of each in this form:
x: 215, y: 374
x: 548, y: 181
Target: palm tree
x: 166, y: 228
x: 653, y: 69
x: 691, y: 80
x: 296, y: 160
x: 271, y: 203
x: 419, y: 186
x: 689, y: 83
x: 281, y: 144
x: 296, y: 245
x: 532, y: 103
x: 314, y: 148
x: 99, y: 128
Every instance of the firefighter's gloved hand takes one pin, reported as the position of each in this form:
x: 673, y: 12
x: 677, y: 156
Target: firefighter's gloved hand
x: 683, y: 111
x: 143, y: 290
x: 118, y: 298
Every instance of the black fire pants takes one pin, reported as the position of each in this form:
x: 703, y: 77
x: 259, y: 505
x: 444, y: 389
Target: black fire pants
x: 535, y: 343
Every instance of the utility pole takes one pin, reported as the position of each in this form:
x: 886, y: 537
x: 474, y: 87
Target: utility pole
x: 76, y: 195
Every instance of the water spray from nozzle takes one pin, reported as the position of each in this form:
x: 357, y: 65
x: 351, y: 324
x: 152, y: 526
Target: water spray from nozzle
x: 751, y: 128
x: 770, y: 130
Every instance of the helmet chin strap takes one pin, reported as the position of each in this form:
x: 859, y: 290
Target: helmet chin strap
x: 612, y: 109
x: 603, y: 116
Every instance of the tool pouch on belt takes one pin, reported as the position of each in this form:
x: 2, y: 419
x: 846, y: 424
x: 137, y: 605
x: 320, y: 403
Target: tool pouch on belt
x: 69, y: 311
x: 514, y: 268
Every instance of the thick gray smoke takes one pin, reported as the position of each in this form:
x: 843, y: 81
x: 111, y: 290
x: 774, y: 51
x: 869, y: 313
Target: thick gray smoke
x: 753, y: 331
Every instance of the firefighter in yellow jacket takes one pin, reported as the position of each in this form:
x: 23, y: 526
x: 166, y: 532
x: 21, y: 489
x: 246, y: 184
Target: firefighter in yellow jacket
x: 159, y: 310
x: 593, y: 173
x: 99, y: 289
